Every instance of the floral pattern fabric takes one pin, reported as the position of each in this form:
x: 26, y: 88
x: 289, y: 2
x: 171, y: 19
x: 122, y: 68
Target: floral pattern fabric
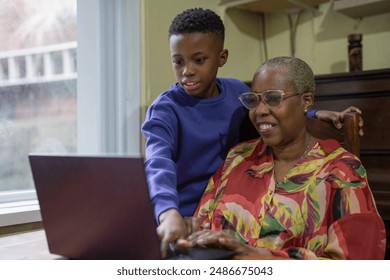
x: 324, y: 208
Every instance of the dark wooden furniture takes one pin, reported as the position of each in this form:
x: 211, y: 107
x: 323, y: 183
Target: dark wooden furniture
x: 348, y: 136
x: 370, y: 92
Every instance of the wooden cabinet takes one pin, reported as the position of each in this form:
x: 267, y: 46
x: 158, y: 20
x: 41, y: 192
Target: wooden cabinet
x: 369, y: 91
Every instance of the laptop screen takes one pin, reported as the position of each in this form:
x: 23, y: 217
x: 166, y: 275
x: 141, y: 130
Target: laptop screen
x: 95, y: 207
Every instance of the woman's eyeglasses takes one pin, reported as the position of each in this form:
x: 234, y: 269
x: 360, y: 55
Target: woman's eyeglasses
x: 271, y: 98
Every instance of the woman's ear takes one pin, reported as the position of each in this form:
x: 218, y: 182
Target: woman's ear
x: 223, y: 56
x: 307, y: 101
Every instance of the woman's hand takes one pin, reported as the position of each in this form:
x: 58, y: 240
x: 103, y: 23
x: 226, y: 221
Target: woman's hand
x: 337, y: 118
x: 220, y: 239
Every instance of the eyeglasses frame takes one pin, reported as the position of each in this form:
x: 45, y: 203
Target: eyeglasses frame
x: 284, y: 97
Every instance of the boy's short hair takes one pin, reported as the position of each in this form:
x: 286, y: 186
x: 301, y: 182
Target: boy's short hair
x: 198, y: 20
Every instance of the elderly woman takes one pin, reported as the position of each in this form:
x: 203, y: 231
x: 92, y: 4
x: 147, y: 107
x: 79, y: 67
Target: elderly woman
x: 287, y: 193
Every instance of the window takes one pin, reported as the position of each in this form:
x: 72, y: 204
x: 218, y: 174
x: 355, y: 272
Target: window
x: 41, y: 72
x: 38, y: 81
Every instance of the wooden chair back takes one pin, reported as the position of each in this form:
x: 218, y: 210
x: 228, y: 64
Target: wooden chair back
x: 348, y: 136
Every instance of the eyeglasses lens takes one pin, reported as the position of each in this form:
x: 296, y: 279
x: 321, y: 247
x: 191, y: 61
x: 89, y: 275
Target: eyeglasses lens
x: 250, y: 100
x: 271, y: 98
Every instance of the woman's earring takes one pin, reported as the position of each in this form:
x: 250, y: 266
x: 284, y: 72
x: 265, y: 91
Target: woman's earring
x: 305, y: 111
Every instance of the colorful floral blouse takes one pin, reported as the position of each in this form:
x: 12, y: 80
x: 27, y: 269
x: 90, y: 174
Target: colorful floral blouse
x: 323, y: 209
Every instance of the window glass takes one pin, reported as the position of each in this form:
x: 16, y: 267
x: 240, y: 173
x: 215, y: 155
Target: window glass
x: 38, y: 81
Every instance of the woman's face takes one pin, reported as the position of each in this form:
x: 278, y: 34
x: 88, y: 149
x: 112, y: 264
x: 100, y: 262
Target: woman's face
x: 284, y: 125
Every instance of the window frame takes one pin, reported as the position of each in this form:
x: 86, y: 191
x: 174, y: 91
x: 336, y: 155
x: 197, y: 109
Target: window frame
x: 108, y: 91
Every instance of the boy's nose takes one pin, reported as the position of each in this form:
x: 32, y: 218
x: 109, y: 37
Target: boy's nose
x: 188, y: 70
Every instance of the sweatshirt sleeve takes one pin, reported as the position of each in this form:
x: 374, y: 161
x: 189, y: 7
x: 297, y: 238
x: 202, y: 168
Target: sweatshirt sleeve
x: 160, y: 168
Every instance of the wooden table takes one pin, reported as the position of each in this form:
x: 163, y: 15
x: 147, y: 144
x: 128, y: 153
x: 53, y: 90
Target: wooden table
x: 32, y: 245
x: 26, y: 246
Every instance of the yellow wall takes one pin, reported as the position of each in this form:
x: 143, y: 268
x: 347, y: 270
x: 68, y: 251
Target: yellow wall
x: 321, y: 40
x: 241, y: 40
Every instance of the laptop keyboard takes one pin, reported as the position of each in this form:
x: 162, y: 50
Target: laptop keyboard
x: 201, y: 253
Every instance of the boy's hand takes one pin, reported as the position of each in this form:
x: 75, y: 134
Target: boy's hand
x: 337, y: 118
x: 171, y: 228
x: 192, y: 224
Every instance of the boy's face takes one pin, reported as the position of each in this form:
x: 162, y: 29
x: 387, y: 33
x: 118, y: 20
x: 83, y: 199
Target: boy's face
x: 196, y: 58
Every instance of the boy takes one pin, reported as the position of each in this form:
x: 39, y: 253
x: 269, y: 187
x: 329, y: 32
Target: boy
x: 190, y: 128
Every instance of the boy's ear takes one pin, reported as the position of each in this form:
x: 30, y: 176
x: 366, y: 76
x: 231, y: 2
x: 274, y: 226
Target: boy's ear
x: 307, y: 100
x: 223, y: 56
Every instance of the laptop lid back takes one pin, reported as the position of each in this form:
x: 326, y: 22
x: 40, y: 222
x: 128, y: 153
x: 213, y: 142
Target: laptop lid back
x: 95, y: 207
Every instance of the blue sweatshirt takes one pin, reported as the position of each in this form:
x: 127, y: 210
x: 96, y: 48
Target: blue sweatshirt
x: 187, y: 138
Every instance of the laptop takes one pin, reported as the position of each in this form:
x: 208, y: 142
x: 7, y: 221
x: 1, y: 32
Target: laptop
x: 98, y: 207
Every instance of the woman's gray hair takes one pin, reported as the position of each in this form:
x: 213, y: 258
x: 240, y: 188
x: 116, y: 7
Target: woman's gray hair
x: 299, y: 72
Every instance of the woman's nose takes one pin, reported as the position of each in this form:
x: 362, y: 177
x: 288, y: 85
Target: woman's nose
x: 261, y: 109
